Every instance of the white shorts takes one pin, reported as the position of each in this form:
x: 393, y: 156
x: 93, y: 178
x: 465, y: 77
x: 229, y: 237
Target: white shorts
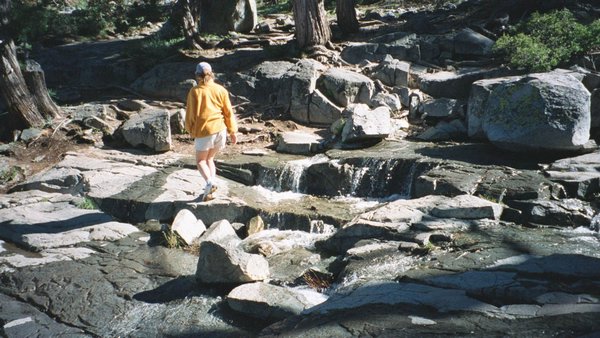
x: 216, y: 141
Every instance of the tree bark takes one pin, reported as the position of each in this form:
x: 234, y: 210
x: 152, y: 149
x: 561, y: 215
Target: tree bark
x: 21, y: 106
x: 186, y: 14
x: 27, y: 106
x: 36, y: 82
x: 346, y: 16
x: 312, y: 27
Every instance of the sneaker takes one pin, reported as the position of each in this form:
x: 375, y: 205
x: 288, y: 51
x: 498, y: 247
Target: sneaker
x: 208, y: 190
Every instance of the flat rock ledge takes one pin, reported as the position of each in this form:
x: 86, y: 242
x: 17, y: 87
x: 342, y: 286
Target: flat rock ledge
x: 445, y: 263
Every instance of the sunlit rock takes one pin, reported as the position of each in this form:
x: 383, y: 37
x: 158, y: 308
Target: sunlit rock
x: 543, y: 111
x: 150, y: 128
x: 270, y: 302
x: 187, y: 226
x: 362, y: 123
x: 294, y: 142
x: 227, y: 263
x: 220, y: 231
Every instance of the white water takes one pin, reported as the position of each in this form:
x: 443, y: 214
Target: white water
x: 276, y: 196
x: 374, y: 177
x: 291, y: 175
x: 360, y: 204
x: 284, y: 240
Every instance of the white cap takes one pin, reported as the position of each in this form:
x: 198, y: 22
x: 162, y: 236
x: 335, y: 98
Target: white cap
x: 203, y: 68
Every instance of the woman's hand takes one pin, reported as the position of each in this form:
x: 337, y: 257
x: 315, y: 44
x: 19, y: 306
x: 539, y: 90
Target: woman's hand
x: 233, y: 138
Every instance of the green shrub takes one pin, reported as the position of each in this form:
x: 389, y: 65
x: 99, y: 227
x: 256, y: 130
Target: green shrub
x: 37, y: 20
x: 594, y: 34
x: 9, y: 174
x: 523, y: 51
x: 87, y: 203
x: 547, y: 40
x: 266, y: 7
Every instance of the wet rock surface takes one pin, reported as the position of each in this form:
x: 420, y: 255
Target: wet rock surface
x: 443, y: 261
x: 383, y: 237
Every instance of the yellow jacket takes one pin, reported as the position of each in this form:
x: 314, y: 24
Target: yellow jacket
x: 209, y: 111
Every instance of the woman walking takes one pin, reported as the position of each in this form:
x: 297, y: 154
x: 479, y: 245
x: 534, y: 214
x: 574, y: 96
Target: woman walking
x: 209, y: 119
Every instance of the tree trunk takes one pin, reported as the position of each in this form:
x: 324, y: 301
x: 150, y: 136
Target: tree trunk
x: 186, y: 14
x: 346, y: 16
x: 27, y: 106
x: 312, y: 27
x: 36, y: 82
x: 21, y: 106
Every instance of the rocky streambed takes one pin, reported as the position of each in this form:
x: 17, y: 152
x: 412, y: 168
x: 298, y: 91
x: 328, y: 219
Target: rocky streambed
x: 401, y: 239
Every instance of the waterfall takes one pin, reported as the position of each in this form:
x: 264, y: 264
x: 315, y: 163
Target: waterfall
x: 290, y: 177
x: 381, y: 177
x: 361, y: 177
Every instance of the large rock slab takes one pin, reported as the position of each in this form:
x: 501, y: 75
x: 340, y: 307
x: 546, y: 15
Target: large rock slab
x: 547, y: 111
x: 392, y: 221
x: 566, y: 212
x: 296, y: 86
x: 455, y: 84
x: 150, y: 128
x: 393, y: 72
x: 115, y: 291
x: 298, y: 143
x: 167, y: 80
x: 379, y: 292
x: 221, y: 17
x: 579, y: 175
x: 480, y: 92
x: 493, y: 182
x: 61, y: 180
x: 51, y: 224
x: 470, y: 43
x: 321, y: 110
x: 363, y: 124
x: 270, y: 78
x: 344, y: 87
x: 269, y: 302
x: 227, y: 263
x: 398, y: 45
x: 24, y: 320
x: 467, y: 207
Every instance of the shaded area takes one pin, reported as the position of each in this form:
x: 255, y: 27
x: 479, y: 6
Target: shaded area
x: 104, y: 294
x: 437, y: 305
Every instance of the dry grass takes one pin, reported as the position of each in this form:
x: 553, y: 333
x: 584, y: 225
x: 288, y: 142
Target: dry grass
x: 172, y: 240
x: 317, y: 280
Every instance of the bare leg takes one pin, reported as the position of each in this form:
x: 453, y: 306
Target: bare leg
x: 210, y: 159
x: 203, y: 166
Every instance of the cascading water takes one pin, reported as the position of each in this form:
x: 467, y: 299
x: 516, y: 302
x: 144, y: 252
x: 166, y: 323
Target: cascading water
x: 360, y: 177
x: 291, y: 176
x: 381, y: 177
